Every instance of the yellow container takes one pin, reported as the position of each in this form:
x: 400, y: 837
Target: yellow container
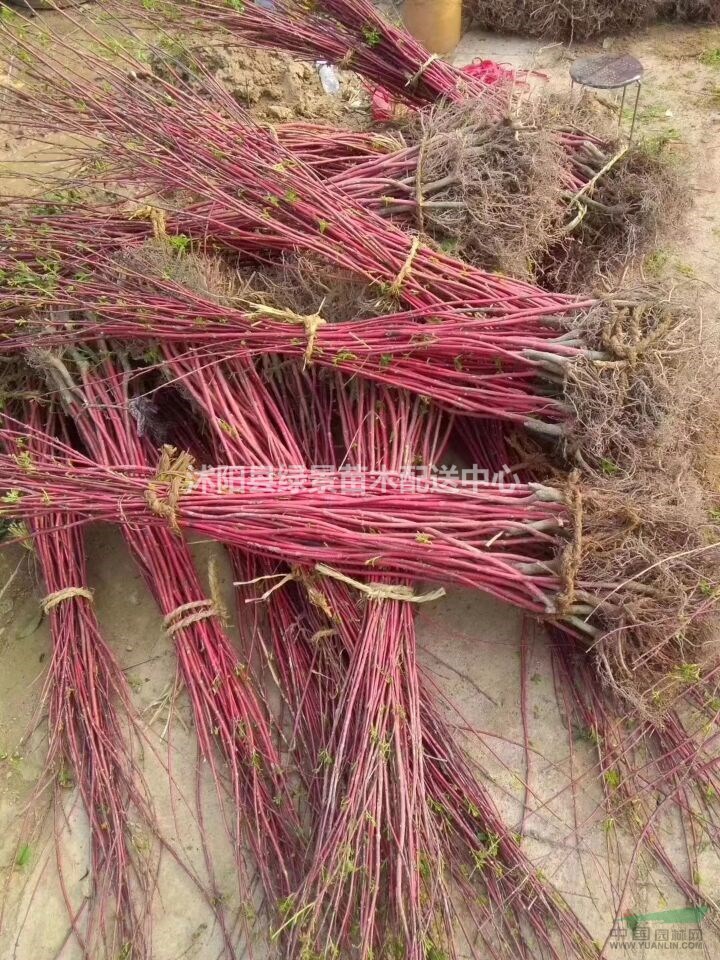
x: 437, y: 24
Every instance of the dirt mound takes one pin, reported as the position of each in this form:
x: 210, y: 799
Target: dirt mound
x: 272, y: 86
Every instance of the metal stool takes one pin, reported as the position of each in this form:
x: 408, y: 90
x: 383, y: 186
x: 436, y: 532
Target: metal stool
x: 610, y: 72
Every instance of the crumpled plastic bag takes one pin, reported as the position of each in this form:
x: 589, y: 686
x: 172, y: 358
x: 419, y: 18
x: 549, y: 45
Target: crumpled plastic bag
x: 384, y: 107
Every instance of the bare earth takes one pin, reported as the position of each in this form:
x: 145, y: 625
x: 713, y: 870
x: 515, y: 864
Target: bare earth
x: 470, y: 645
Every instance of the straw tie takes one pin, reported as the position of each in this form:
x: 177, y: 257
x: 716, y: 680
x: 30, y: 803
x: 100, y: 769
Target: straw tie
x: 406, y: 270
x: 156, y: 218
x: 381, y: 591
x: 373, y: 591
x: 625, y: 339
x: 311, y: 321
x: 189, y: 613
x: 175, y: 475
x: 572, y: 555
x: 344, y: 63
x: 67, y: 593
x: 423, y: 67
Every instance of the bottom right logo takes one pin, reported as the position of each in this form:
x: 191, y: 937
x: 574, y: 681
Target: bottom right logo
x: 665, y: 930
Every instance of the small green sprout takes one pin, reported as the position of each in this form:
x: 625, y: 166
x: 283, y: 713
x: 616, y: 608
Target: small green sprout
x: 372, y: 36
x: 687, y: 672
x: 180, y: 243
x: 711, y: 58
x: 24, y: 855
x: 612, y: 779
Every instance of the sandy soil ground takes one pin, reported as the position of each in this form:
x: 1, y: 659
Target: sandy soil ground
x: 470, y: 646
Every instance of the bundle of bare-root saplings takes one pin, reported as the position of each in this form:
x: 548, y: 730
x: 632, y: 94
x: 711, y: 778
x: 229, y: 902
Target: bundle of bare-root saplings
x: 226, y: 332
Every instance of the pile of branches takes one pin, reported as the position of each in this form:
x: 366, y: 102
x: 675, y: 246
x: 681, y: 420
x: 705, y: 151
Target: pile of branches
x: 223, y: 331
x: 568, y: 204
x: 92, y: 731
x: 586, y: 19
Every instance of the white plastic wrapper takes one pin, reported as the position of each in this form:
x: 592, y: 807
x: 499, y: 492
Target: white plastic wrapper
x: 329, y: 78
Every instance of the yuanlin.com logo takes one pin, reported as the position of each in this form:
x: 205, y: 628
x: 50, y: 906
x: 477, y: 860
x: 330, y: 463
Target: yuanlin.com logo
x: 677, y: 930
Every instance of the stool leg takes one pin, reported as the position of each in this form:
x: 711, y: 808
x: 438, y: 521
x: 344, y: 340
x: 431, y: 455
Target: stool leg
x: 622, y: 107
x: 637, y: 101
